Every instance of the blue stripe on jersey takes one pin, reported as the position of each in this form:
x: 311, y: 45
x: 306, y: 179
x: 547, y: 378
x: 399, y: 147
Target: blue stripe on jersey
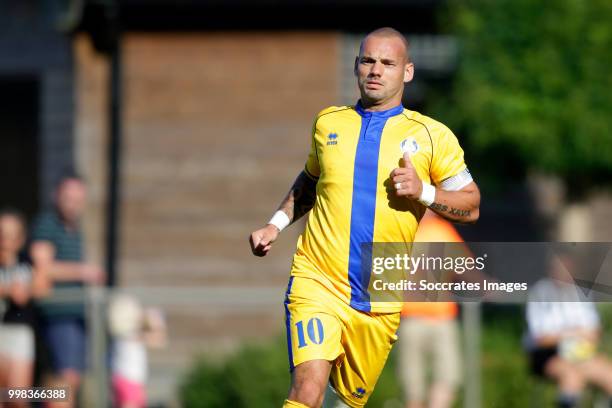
x: 288, y: 324
x: 363, y: 205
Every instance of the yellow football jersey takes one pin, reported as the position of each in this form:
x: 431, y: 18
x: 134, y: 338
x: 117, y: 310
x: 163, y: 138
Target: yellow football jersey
x: 352, y: 155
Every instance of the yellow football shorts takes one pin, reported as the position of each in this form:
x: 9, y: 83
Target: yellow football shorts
x: 320, y: 326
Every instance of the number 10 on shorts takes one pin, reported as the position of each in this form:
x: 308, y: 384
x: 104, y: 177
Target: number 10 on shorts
x: 314, y: 329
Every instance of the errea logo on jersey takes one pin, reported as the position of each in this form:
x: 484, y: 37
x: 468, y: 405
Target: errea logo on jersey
x: 409, y: 146
x: 359, y: 393
x: 332, y: 139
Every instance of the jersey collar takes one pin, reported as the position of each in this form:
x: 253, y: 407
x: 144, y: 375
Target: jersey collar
x: 380, y: 114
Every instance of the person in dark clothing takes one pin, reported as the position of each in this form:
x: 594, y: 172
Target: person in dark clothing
x: 64, y: 322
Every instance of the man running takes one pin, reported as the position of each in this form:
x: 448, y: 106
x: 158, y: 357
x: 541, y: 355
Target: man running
x: 373, y: 170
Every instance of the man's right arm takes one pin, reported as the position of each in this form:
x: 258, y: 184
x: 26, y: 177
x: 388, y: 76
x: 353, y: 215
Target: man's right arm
x: 299, y: 200
x: 63, y: 271
x: 70, y: 271
x: 301, y: 197
x: 66, y: 271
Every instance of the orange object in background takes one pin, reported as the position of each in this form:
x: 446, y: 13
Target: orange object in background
x: 434, y: 228
x: 431, y: 310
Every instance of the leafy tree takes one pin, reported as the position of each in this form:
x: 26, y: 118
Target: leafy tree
x: 534, y: 85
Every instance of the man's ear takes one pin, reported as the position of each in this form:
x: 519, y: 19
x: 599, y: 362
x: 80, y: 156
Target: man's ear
x: 356, y: 65
x: 408, y: 72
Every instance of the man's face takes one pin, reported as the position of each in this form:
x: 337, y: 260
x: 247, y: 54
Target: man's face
x: 12, y: 235
x: 382, y: 68
x: 70, y: 199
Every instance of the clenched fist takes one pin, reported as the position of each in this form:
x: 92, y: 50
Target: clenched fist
x: 262, y: 239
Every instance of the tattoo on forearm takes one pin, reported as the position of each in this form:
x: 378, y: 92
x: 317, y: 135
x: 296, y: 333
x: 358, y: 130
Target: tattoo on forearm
x: 460, y: 213
x: 301, y: 197
x: 438, y: 207
x: 452, y: 211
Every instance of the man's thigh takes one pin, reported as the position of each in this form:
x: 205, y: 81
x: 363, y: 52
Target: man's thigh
x: 314, y: 331
x: 446, y: 353
x: 414, y: 345
x: 320, y: 326
x: 67, y: 343
x: 367, y: 340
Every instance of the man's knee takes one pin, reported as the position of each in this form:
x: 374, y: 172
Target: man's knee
x: 309, y: 382
x: 309, y: 392
x: 572, y: 381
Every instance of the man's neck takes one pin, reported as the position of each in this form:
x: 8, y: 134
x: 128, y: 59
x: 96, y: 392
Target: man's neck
x: 68, y: 224
x: 374, y: 106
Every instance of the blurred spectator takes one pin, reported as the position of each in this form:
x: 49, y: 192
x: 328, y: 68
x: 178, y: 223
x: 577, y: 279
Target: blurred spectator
x: 430, y: 329
x: 133, y: 329
x: 19, y: 283
x: 64, y: 323
x: 563, y: 335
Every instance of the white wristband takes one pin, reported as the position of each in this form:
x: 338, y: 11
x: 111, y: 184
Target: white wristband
x: 428, y: 195
x: 280, y: 220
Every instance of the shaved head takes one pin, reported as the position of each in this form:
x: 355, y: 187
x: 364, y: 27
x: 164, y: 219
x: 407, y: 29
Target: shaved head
x: 382, y: 68
x: 388, y: 32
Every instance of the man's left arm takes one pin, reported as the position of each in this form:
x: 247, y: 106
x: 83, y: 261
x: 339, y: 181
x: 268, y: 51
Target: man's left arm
x: 453, y: 195
x: 461, y: 206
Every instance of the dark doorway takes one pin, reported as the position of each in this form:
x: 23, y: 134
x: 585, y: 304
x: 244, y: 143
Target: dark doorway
x: 19, y: 149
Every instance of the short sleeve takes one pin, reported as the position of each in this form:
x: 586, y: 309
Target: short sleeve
x: 448, y: 162
x: 42, y: 229
x: 312, y: 168
x: 538, y: 319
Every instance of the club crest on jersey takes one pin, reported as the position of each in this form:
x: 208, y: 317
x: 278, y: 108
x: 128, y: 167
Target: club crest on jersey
x: 332, y: 139
x: 409, y: 146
